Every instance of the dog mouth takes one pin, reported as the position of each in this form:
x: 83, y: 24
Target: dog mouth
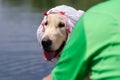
x: 49, y: 55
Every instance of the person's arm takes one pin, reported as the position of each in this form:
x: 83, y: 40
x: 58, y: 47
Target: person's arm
x: 47, y: 77
x: 71, y: 65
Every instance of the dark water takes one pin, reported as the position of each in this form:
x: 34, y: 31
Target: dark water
x: 20, y: 55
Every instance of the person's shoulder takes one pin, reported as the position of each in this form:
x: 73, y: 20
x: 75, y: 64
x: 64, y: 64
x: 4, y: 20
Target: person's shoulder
x: 108, y: 6
x: 101, y: 13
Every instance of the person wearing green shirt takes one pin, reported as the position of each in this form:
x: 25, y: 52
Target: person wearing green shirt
x: 93, y: 47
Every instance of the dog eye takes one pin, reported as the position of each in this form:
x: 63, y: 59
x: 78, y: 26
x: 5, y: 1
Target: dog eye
x: 46, y: 23
x: 61, y: 25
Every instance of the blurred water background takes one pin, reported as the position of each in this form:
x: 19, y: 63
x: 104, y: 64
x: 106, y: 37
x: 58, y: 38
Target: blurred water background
x: 20, y: 54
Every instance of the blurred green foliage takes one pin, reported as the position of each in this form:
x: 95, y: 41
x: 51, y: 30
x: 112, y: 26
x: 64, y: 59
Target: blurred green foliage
x: 12, y: 2
x: 40, y: 5
x: 78, y: 4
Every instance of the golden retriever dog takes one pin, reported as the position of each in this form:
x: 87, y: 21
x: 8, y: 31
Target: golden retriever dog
x: 55, y: 29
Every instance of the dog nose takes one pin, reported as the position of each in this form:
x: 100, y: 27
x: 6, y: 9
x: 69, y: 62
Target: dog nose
x: 46, y: 43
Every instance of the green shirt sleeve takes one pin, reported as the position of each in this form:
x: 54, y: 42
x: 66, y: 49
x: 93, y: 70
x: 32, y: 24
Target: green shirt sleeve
x: 71, y: 65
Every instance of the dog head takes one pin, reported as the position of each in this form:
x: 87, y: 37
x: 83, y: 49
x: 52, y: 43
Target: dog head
x: 55, y: 29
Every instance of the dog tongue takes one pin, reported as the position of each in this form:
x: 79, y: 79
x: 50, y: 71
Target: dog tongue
x: 48, y: 55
